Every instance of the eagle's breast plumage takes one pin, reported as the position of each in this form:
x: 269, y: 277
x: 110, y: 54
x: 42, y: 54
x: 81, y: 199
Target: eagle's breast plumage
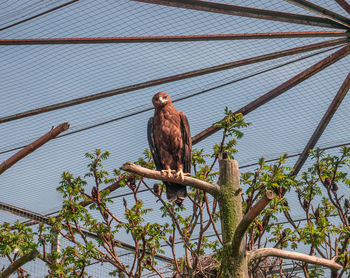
x: 170, y: 142
x: 168, y: 130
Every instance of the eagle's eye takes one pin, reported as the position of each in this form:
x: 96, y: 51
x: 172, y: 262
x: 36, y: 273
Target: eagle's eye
x: 157, y: 99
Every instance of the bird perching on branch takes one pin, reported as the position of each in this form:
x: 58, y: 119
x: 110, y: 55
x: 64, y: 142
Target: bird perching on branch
x: 169, y: 138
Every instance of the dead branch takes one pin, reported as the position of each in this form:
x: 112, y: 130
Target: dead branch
x: 274, y: 252
x: 18, y: 263
x: 247, y: 219
x: 33, y: 146
x: 109, y: 188
x: 189, y: 181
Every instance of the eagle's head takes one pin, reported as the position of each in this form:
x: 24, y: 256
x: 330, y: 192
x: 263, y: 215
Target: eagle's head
x: 161, y: 99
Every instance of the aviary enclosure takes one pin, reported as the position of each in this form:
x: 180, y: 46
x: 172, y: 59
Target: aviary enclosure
x: 96, y: 65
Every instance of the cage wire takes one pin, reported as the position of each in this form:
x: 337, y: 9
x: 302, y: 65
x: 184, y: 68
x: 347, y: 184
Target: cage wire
x: 202, y: 89
x: 45, y: 75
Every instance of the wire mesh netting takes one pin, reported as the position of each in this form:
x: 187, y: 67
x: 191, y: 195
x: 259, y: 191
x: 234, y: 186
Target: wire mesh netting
x: 159, y: 46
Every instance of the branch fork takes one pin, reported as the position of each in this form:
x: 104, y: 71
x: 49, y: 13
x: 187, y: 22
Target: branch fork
x: 249, y: 218
x: 234, y: 234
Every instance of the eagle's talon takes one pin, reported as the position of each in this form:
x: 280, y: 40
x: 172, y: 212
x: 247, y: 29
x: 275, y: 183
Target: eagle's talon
x: 166, y: 172
x: 180, y: 175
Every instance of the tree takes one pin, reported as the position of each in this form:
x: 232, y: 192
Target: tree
x: 248, y: 219
x: 265, y: 198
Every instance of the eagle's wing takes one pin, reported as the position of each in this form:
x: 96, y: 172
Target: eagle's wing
x: 152, y: 145
x: 175, y: 192
x: 187, y: 144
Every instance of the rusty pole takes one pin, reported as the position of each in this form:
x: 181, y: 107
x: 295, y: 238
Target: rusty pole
x: 280, y: 89
x: 247, y: 12
x: 173, y: 78
x: 154, y: 39
x: 40, y: 14
x: 321, y: 11
x: 344, y: 4
x: 323, y: 123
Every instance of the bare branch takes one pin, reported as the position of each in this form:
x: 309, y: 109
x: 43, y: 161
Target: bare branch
x: 189, y: 181
x: 33, y: 146
x: 250, y: 216
x: 274, y: 252
x: 110, y: 188
x: 211, y: 218
x: 18, y: 263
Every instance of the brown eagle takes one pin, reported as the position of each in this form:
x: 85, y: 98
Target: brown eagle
x: 170, y: 142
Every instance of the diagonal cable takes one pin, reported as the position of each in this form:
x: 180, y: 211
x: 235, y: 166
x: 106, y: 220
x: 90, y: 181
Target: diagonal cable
x: 247, y: 12
x: 321, y: 11
x: 323, y: 123
x: 172, y: 78
x: 182, y: 96
x: 40, y: 14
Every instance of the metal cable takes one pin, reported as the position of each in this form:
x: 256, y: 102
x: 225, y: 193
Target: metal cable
x: 179, y: 97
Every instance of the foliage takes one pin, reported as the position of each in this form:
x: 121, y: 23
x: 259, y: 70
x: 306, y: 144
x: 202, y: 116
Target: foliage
x: 231, y: 125
x: 16, y: 241
x: 321, y: 192
x: 91, y: 223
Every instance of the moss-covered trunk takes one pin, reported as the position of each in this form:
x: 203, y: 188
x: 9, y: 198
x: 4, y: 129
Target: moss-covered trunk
x: 230, y: 202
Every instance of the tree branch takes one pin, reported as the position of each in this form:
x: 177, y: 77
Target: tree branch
x: 265, y: 252
x: 33, y: 146
x: 18, y: 263
x: 247, y: 219
x: 189, y: 181
x: 110, y: 188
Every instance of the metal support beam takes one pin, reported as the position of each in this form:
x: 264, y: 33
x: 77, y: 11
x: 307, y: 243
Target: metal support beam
x: 247, y: 12
x: 24, y: 213
x: 323, y: 123
x: 56, y: 245
x: 280, y: 89
x: 149, y: 108
x: 194, y: 38
x: 173, y: 78
x: 40, y: 14
x: 321, y: 11
x: 43, y: 219
x: 344, y: 4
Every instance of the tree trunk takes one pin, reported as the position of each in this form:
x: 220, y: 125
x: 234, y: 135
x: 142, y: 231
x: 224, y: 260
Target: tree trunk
x: 234, y: 258
x: 234, y: 262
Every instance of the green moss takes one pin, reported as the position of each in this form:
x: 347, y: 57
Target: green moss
x: 230, y: 203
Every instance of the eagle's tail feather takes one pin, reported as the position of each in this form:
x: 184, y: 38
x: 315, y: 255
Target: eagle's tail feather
x: 176, y: 192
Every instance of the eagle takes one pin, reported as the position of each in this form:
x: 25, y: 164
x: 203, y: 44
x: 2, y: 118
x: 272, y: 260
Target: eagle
x: 169, y: 139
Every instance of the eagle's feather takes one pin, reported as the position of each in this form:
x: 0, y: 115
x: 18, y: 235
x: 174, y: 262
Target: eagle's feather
x: 169, y: 139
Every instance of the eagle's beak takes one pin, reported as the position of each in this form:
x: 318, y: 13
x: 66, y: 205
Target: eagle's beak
x: 162, y: 100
